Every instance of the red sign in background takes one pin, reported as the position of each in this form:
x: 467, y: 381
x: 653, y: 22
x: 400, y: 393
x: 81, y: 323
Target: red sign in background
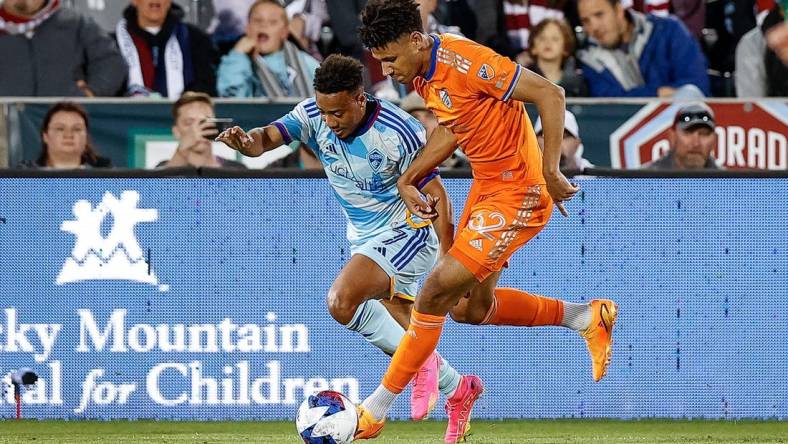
x: 749, y: 135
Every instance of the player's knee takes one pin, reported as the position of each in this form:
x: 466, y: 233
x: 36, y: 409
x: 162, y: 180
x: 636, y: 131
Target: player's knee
x: 341, y: 305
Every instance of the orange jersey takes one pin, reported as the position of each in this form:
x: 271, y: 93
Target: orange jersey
x: 468, y: 87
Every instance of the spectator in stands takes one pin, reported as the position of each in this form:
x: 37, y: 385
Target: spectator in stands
x: 48, y: 50
x: 165, y: 55
x: 692, y: 141
x: 778, y: 41
x: 263, y: 62
x: 551, y: 45
x: 307, y: 18
x: 571, y: 145
x: 759, y: 71
x: 65, y: 140
x: 195, y: 134
x: 632, y: 54
x: 520, y: 18
x: 414, y: 105
x: 431, y: 24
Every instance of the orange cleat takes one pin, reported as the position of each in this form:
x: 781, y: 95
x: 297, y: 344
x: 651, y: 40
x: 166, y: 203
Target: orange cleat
x: 368, y: 427
x: 599, y: 335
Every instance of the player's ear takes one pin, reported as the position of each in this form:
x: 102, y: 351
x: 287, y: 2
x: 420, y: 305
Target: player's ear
x: 421, y: 41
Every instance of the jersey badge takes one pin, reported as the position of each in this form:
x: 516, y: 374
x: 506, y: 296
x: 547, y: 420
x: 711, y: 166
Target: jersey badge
x: 486, y: 72
x: 444, y: 95
x: 375, y: 159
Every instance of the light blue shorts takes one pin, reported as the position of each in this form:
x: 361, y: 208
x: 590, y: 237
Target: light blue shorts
x: 406, y: 254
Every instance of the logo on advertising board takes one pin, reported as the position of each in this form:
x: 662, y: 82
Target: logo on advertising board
x: 749, y: 135
x: 118, y: 255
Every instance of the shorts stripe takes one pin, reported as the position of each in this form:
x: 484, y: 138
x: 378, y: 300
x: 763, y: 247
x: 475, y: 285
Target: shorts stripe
x: 413, y: 243
x: 404, y: 260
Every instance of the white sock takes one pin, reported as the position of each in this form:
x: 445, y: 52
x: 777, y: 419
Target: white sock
x: 379, y: 402
x: 577, y: 316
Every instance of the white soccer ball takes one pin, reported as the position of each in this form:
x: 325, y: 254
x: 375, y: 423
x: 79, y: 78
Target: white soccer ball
x: 327, y: 417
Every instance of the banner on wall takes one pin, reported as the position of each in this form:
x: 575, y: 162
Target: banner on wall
x: 750, y: 135
x: 204, y: 299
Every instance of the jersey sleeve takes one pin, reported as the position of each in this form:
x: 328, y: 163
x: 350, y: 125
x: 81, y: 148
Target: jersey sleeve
x: 412, y: 138
x: 492, y: 74
x: 297, y: 125
x: 408, y: 155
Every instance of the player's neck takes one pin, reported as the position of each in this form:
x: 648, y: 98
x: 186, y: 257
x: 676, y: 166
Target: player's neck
x: 426, y: 55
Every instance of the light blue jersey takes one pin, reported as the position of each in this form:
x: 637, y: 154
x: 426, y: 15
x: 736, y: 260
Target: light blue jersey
x: 363, y: 169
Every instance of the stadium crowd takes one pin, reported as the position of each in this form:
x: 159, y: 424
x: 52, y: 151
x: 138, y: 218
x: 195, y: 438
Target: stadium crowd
x: 684, y: 49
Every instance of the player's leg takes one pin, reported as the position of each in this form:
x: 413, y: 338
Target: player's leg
x: 390, y: 266
x: 493, y: 305
x: 446, y: 283
x: 436, y: 375
x: 352, y: 301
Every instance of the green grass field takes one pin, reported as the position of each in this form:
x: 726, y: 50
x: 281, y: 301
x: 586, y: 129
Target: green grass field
x: 484, y: 432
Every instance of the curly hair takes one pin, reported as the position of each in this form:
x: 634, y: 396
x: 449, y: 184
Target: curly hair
x: 338, y: 73
x: 385, y: 21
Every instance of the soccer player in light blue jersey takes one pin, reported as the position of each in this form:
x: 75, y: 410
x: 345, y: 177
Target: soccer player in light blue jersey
x: 365, y: 144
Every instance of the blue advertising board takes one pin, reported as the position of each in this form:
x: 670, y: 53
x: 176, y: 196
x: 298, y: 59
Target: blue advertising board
x: 205, y: 299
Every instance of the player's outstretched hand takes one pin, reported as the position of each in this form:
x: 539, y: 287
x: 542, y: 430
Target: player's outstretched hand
x: 561, y: 191
x: 236, y: 138
x: 422, y: 206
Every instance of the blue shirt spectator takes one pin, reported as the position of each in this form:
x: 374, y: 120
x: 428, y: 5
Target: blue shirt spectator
x: 633, y: 54
x: 263, y: 62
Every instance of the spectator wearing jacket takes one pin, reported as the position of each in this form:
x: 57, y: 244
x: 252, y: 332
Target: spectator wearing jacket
x: 639, y: 55
x: 47, y: 50
x: 264, y: 62
x: 165, y: 55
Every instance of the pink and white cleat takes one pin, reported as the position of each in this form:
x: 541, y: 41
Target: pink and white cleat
x: 459, y: 406
x: 424, y: 395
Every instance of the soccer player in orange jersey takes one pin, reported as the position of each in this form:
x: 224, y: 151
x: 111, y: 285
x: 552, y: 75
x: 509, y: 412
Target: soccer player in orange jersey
x: 477, y: 96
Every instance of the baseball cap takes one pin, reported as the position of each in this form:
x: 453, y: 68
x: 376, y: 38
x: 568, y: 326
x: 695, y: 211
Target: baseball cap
x: 412, y: 102
x: 694, y: 114
x: 570, y: 124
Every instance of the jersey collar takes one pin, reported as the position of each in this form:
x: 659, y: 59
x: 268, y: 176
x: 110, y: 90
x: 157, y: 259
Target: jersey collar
x: 373, y: 108
x: 433, y: 57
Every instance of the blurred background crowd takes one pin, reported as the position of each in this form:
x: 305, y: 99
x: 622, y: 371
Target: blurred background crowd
x: 197, y: 50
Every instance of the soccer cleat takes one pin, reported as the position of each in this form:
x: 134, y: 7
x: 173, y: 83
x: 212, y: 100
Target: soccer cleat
x: 368, y: 427
x: 599, y: 335
x: 424, y: 395
x: 459, y: 406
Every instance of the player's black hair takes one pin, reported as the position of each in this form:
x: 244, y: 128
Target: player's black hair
x: 385, y: 21
x: 338, y: 73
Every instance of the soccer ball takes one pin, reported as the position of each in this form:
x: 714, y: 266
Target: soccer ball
x: 327, y: 418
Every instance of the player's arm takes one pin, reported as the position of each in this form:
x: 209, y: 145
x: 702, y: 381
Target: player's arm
x: 438, y: 148
x: 255, y: 142
x: 549, y: 100
x: 444, y: 221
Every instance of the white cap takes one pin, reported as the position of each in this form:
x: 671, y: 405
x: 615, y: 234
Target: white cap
x: 570, y: 124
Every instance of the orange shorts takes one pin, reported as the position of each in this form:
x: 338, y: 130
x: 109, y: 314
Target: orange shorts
x: 496, y: 222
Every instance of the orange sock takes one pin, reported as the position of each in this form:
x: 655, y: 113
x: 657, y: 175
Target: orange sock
x: 516, y: 307
x: 418, y: 343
